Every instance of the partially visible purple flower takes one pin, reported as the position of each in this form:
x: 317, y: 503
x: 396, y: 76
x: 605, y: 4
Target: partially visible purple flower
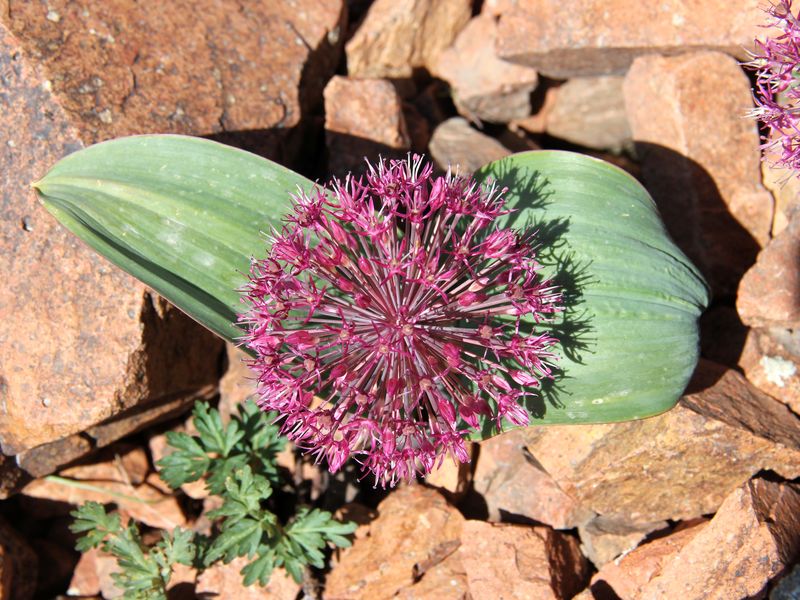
x: 777, y: 95
x: 398, y: 301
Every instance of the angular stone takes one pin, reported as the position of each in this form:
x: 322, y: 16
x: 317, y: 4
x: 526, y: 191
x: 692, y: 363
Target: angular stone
x: 515, y: 488
x: 106, y: 566
x: 225, y: 581
x: 603, y: 539
x: 43, y: 460
x: 107, y: 345
x: 484, y: 87
x: 708, y: 190
x: 398, y: 36
x: 138, y: 418
x: 605, y: 36
x: 769, y: 293
x: 678, y: 465
x: 527, y: 562
x: 452, y: 477
x: 80, y: 73
x: 199, y: 68
x: 454, y: 143
x: 123, y: 462
x: 47, y: 458
x: 590, y: 112
x: 446, y: 580
x: 182, y: 583
x: 773, y: 367
x: 85, y: 580
x: 754, y: 536
x: 363, y: 119
x: 627, y: 576
x: 415, y: 526
x: 531, y: 562
x: 709, y: 193
x: 109, y: 482
x: 19, y: 565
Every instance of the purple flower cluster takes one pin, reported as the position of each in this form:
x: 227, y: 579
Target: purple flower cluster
x: 777, y: 95
x: 387, y: 319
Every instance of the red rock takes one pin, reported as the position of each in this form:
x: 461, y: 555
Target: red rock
x: 43, y: 460
x: 363, y: 118
x: 420, y: 548
x: 769, y: 293
x: 724, y: 433
x: 627, y: 576
x: 106, y: 566
x: 225, y: 581
x: 452, y: 477
x: 708, y: 191
x: 514, y: 486
x: 398, y: 36
x: 107, y: 346
x: 604, y: 539
x: 454, y: 143
x: 604, y: 36
x: 446, y: 580
x: 769, y: 364
x: 95, y: 70
x: 121, y: 463
x: 121, y: 68
x: 484, y: 87
x: 106, y: 483
x: 415, y: 526
x: 590, y: 112
x: 111, y: 430
x: 754, y: 536
x: 517, y: 561
x: 182, y: 583
x: 85, y: 580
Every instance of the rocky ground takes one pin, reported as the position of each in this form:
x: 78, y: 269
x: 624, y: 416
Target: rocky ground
x: 700, y: 502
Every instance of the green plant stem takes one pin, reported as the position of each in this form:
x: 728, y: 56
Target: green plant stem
x: 96, y: 488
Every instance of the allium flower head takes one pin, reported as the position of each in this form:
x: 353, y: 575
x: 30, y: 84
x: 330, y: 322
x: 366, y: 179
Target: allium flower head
x: 777, y: 95
x: 387, y: 319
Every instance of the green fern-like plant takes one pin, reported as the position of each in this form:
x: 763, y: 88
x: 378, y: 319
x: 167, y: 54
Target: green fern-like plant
x: 144, y: 572
x: 237, y: 461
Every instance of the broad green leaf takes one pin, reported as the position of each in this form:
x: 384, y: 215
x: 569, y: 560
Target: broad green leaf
x: 184, y: 215
x: 629, y: 334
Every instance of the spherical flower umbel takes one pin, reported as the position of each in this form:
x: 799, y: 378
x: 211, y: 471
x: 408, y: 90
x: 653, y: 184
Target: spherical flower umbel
x: 777, y: 94
x: 391, y: 314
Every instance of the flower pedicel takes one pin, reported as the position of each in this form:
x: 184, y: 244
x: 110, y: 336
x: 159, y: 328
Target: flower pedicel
x: 395, y: 300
